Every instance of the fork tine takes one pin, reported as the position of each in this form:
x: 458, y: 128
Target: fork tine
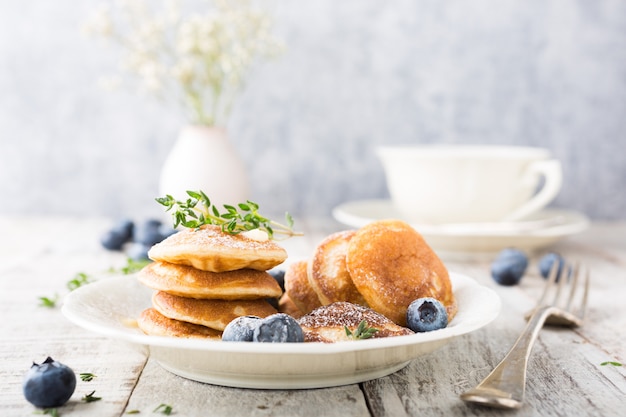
x: 561, y: 279
x: 549, y: 282
x: 583, y: 308
x: 575, y: 273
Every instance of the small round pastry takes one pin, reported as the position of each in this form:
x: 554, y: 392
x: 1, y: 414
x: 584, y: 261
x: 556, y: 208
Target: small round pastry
x: 391, y: 265
x: 298, y: 287
x: 327, y: 324
x: 186, y: 281
x: 327, y: 272
x: 210, y: 249
x: 153, y: 323
x: 215, y: 314
x: 287, y: 306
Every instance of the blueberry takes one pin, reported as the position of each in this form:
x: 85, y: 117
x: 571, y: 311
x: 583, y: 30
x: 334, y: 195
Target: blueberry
x: 118, y: 235
x: 138, y: 251
x: 509, y: 266
x: 426, y: 314
x: 279, y: 276
x: 241, y: 329
x: 546, y: 262
x: 148, y: 232
x: 278, y: 328
x: 49, y: 385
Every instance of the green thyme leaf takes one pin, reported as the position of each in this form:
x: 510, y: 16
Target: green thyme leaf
x: 89, y: 398
x: 86, y: 376
x: 611, y: 363
x: 133, y: 412
x: 48, y: 411
x: 163, y: 409
x: 49, y: 302
x: 197, y: 211
x: 361, y: 332
x: 78, y: 281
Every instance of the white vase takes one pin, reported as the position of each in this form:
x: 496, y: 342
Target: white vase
x: 203, y: 158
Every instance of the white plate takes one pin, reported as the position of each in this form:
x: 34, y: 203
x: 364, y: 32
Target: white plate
x: 464, y: 241
x: 106, y: 306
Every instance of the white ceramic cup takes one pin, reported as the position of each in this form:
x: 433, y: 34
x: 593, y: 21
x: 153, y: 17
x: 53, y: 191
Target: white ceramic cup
x: 438, y: 184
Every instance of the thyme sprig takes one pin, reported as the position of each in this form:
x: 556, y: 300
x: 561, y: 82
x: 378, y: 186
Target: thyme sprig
x: 198, y: 211
x: 361, y: 332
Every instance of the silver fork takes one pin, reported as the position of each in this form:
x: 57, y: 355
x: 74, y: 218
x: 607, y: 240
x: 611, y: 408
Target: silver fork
x: 504, y: 386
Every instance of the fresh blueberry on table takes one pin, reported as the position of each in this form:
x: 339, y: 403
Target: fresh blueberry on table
x: 241, y: 329
x: 49, y: 385
x: 118, y: 235
x: 546, y: 262
x: 278, y: 328
x: 509, y: 266
x: 138, y: 251
x: 426, y: 314
x: 148, y: 232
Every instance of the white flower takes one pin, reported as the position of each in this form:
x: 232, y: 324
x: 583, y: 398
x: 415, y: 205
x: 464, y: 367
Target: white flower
x: 203, y: 58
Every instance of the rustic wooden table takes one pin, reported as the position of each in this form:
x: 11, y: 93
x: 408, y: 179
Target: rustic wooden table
x: 38, y: 256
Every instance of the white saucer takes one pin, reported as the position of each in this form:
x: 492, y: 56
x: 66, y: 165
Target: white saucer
x: 467, y: 240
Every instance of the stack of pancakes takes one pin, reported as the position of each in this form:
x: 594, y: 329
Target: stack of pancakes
x: 205, y: 278
x: 384, y: 265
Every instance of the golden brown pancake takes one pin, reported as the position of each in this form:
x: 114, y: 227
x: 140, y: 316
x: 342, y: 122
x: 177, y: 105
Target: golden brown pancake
x: 327, y: 271
x: 298, y: 287
x: 215, y: 314
x: 153, y: 323
x: 211, y: 249
x: 391, y: 265
x: 287, y: 306
x: 327, y: 324
x: 186, y: 281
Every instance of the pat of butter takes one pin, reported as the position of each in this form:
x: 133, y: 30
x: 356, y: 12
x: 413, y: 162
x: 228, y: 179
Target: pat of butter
x: 256, y: 234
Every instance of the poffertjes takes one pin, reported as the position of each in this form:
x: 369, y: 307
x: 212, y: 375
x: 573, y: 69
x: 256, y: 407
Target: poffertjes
x: 186, y: 281
x: 298, y: 287
x: 327, y: 270
x: 215, y: 314
x: 210, y: 249
x: 153, y: 323
x: 391, y: 265
x: 327, y: 324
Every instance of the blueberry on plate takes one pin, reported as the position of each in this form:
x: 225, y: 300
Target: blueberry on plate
x: 426, y: 314
x: 49, y: 385
x: 546, y: 262
x: 241, y: 329
x: 509, y: 266
x: 118, y: 235
x: 279, y: 276
x: 278, y: 328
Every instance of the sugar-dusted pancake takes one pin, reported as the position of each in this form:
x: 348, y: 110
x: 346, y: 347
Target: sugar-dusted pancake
x: 287, y: 306
x: 327, y: 272
x: 391, y: 265
x: 215, y: 314
x: 153, y: 323
x: 186, y: 281
x: 327, y: 324
x: 211, y: 249
x: 298, y: 286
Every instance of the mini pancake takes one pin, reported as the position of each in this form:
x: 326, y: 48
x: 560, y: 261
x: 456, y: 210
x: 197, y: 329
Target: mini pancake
x: 210, y: 249
x: 287, y: 306
x: 186, y: 281
x: 153, y: 323
x: 298, y: 286
x: 327, y: 324
x: 215, y: 314
x: 327, y: 271
x: 391, y: 265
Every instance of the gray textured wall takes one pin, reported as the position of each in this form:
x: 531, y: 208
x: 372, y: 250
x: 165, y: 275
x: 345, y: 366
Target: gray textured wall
x: 356, y: 74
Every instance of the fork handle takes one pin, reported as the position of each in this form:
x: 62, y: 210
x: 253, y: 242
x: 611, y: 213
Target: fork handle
x: 504, y: 386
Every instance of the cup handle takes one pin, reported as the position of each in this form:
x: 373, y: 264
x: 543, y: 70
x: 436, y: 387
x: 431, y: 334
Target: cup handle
x: 552, y: 172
